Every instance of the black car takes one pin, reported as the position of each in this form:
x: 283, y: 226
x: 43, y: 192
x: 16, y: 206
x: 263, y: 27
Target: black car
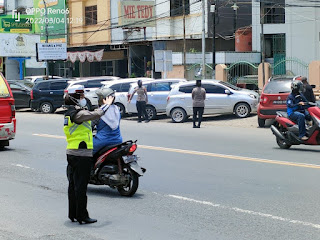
x: 21, y: 93
x: 47, y: 96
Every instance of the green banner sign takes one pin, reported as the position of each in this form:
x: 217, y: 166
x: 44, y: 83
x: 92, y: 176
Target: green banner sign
x: 52, y: 17
x: 21, y: 25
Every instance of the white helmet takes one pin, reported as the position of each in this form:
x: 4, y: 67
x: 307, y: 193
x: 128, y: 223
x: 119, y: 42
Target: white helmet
x: 77, y: 88
x: 73, y: 95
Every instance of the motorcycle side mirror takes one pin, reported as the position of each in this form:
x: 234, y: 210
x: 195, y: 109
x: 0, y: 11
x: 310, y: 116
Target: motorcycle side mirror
x: 313, y: 86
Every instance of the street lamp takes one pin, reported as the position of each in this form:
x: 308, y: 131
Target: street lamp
x: 235, y: 10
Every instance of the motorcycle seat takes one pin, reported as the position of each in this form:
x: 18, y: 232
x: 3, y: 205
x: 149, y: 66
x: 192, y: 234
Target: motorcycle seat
x: 283, y: 114
x: 105, y: 149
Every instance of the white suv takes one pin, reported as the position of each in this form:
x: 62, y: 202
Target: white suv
x: 90, y: 85
x: 121, y: 87
x: 157, y: 91
x: 221, y: 98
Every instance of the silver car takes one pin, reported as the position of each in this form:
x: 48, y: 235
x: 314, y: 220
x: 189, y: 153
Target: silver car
x: 221, y: 98
x: 157, y: 91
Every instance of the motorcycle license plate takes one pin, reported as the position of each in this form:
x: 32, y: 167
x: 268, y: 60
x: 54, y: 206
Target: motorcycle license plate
x: 130, y: 158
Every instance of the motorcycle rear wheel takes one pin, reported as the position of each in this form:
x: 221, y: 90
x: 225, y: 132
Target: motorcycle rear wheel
x: 132, y: 186
x: 283, y: 144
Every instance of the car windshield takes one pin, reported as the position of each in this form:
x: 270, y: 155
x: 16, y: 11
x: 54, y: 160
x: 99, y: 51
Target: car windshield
x: 229, y: 85
x: 276, y: 87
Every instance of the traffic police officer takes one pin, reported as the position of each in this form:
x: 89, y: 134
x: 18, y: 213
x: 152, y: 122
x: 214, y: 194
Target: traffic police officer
x: 78, y: 131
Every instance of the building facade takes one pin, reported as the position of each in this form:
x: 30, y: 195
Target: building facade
x: 290, y: 30
x: 89, y: 42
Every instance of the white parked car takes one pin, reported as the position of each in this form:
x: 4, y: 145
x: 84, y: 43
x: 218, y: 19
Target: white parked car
x: 35, y: 79
x: 158, y: 91
x: 91, y: 84
x: 122, y: 87
x: 221, y: 98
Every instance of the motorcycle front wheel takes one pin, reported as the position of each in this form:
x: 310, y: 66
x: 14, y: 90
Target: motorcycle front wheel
x: 131, y: 187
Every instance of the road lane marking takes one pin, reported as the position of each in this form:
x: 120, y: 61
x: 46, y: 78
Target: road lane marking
x: 22, y: 166
x: 49, y: 136
x: 245, y: 211
x: 216, y: 155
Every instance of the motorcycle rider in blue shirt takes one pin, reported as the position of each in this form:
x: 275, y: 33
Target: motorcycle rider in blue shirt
x: 108, y: 127
x: 296, y: 108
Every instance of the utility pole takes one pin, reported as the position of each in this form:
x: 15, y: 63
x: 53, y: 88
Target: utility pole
x: 184, y: 39
x: 203, y: 41
x: 47, y: 35
x: 262, y: 41
x: 213, y: 10
x: 235, y: 15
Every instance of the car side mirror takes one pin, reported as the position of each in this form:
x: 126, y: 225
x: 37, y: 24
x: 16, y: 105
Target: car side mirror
x: 313, y: 86
x: 227, y: 92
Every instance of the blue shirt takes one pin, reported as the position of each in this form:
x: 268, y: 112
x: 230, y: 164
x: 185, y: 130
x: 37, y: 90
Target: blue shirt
x: 293, y: 103
x: 106, y: 136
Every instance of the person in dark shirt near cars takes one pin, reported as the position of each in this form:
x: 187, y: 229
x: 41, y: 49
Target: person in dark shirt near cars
x: 307, y: 90
x: 198, y: 97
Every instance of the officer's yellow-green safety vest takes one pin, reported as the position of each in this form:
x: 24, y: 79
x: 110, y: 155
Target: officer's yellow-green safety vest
x: 77, y: 133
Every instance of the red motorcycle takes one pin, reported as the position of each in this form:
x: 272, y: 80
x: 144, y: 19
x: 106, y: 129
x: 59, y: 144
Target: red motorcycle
x: 287, y: 131
x: 117, y: 167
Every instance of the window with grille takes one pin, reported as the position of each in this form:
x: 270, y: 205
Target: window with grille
x: 91, y: 15
x: 176, y: 7
x: 274, y: 12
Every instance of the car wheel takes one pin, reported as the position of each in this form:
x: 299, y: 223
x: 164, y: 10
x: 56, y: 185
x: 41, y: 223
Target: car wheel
x: 178, y: 115
x: 261, y: 122
x: 122, y: 109
x: 46, y: 107
x: 151, y: 112
x: 242, y: 110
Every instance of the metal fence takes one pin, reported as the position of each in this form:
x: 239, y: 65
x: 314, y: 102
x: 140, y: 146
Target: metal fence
x: 242, y: 71
x: 290, y: 66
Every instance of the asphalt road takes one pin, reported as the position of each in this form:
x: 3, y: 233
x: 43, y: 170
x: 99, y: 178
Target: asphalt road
x: 226, y: 180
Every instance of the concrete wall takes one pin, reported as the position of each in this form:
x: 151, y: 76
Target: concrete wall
x: 172, y: 27
x: 77, y: 11
x: 177, y: 72
x: 12, y: 69
x: 301, y: 28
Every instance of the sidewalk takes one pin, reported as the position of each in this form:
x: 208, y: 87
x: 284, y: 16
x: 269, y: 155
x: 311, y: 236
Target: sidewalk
x: 213, y: 120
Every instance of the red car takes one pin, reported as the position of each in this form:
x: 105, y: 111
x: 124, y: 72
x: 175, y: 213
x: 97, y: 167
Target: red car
x: 273, y: 98
x: 7, y: 113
